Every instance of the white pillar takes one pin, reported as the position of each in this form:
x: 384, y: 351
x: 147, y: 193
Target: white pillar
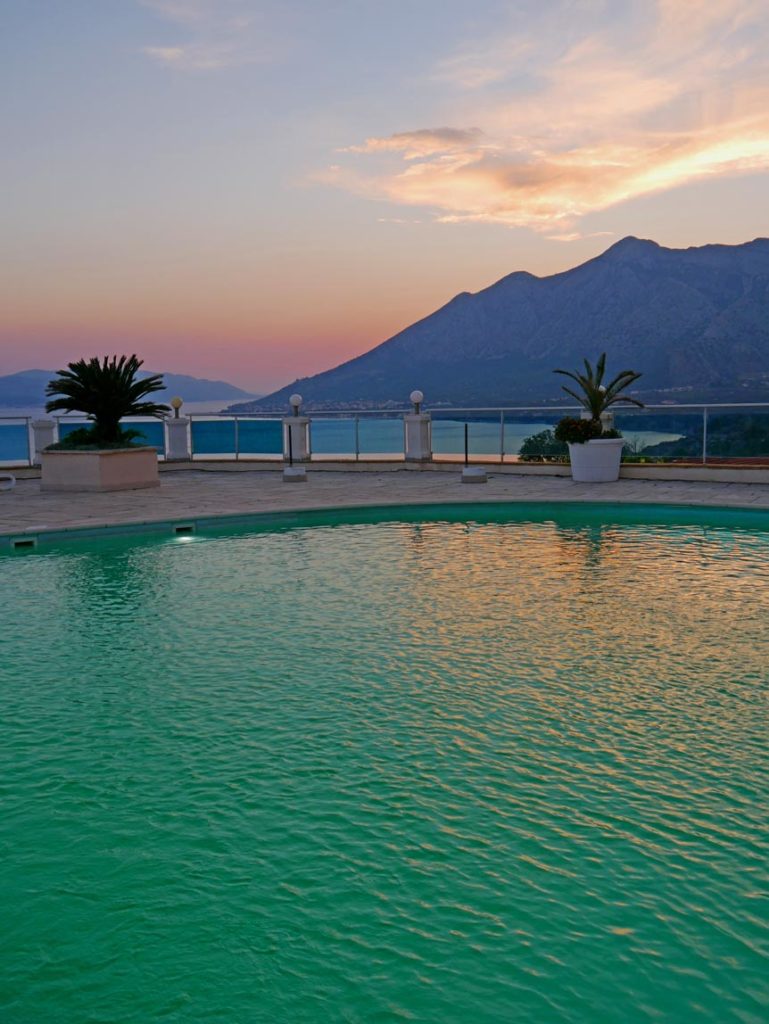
x: 43, y: 434
x: 300, y: 438
x: 607, y: 420
x: 178, y: 447
x: 417, y: 437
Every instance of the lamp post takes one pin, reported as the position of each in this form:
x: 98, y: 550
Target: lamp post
x: 296, y: 442
x: 176, y: 404
x: 417, y: 435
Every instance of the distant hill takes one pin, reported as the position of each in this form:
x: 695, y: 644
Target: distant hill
x: 694, y: 321
x: 27, y: 388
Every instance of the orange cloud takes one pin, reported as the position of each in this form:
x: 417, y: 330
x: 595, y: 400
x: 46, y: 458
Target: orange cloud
x: 421, y: 143
x: 608, y: 116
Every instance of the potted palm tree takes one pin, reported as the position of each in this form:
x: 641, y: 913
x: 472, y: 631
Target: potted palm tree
x: 595, y: 448
x: 104, y: 456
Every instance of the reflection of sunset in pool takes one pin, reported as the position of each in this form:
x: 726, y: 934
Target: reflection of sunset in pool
x: 507, y: 769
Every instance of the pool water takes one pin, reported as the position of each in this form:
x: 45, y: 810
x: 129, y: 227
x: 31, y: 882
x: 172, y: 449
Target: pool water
x: 389, y: 768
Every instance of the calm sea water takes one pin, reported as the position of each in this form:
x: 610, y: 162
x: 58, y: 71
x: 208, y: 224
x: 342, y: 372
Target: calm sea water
x: 506, y: 769
x: 329, y: 437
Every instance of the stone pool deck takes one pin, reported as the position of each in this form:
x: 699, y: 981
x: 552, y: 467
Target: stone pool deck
x: 187, y: 494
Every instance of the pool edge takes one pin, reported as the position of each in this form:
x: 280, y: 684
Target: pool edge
x: 30, y: 537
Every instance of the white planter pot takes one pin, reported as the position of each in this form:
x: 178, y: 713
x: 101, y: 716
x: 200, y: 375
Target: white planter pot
x: 596, y: 461
x: 115, y: 469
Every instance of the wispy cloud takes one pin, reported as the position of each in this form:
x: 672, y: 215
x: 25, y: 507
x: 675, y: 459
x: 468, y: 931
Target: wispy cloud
x: 421, y: 143
x: 583, y: 116
x: 212, y: 34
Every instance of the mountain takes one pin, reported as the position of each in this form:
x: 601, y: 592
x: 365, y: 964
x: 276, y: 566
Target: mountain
x: 27, y: 388
x: 693, y: 321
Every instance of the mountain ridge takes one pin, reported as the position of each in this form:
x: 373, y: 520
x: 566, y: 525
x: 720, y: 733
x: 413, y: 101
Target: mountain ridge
x: 694, y: 318
x: 26, y: 388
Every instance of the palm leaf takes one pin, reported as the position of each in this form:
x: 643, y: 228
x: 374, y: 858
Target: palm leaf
x: 595, y: 397
x: 107, y: 391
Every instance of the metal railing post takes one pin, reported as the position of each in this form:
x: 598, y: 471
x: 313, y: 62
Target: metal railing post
x: 237, y: 439
x: 704, y: 435
x: 357, y: 438
x: 501, y: 435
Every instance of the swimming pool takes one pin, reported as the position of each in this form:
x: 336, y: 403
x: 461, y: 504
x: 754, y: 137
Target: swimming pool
x: 487, y: 764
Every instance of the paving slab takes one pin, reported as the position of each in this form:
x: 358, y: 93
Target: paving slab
x: 196, y: 493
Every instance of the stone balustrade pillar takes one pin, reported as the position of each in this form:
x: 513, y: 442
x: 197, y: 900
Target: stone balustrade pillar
x: 178, y: 439
x: 298, y: 428
x: 296, y: 442
x: 418, y: 437
x: 44, y: 432
x: 417, y: 432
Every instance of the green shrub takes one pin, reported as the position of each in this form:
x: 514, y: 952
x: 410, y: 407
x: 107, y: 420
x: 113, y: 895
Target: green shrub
x: 87, y: 439
x: 543, y: 447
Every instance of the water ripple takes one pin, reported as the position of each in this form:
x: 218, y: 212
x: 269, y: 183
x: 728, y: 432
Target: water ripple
x: 424, y: 771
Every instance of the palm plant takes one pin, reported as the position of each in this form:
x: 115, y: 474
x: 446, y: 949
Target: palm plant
x: 597, y: 398
x: 106, y: 391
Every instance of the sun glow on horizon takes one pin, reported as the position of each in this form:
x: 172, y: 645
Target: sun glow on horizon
x: 261, y: 190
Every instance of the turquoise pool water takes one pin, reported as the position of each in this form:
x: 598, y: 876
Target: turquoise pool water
x: 390, y: 767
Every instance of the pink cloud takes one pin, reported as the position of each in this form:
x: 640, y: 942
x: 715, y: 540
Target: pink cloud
x: 421, y: 143
x: 606, y: 118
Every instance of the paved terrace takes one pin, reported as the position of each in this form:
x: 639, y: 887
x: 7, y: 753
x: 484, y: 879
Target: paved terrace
x: 192, y: 493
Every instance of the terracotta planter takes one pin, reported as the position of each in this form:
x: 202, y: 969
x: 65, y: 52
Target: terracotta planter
x: 115, y: 469
x: 596, y: 461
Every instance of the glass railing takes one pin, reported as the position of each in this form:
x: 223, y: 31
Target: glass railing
x: 333, y: 436
x: 15, y: 441
x: 700, y: 434
x: 235, y: 437
x: 737, y: 434
x: 494, y: 435
x: 657, y: 433
x: 372, y: 436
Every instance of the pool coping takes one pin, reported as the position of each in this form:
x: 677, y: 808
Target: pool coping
x: 293, y: 516
x: 711, y: 472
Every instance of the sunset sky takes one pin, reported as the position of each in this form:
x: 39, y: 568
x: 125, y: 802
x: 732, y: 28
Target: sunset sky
x: 256, y: 190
